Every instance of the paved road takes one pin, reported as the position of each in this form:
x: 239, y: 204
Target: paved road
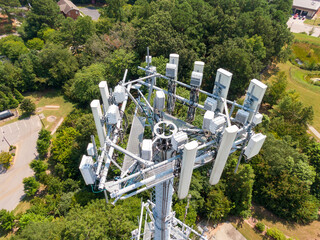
x: 24, y: 135
x: 90, y: 11
x: 228, y: 232
x: 298, y: 26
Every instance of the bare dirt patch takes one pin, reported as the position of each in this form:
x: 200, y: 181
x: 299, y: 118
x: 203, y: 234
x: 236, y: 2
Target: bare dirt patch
x: 51, y: 118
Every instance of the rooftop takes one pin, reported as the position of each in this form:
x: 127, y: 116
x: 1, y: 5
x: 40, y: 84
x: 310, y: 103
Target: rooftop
x: 309, y: 4
x: 66, y: 6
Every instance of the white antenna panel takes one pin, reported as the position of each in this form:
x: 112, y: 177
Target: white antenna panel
x: 228, y: 138
x: 210, y: 104
x: 207, y: 119
x: 254, y: 145
x: 178, y: 140
x: 146, y: 149
x: 113, y: 115
x: 221, y: 85
x: 104, y: 91
x: 171, y: 70
x: 86, y: 169
x: 188, y: 159
x: 159, y: 101
x: 198, y: 66
x: 254, y: 96
x: 97, y: 116
x: 119, y: 94
x: 90, y: 149
x: 196, y: 79
x: 216, y: 124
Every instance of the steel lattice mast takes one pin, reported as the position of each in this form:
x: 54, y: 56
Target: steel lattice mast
x: 175, y: 147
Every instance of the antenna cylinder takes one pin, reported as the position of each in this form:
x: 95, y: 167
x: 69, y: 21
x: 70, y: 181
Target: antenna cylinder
x: 189, y: 156
x: 97, y: 116
x: 228, y: 138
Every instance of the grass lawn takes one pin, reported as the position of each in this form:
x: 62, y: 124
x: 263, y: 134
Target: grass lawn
x: 306, y: 38
x: 315, y: 22
x: 309, y: 94
x: 48, y: 98
x: 301, y: 232
x: 247, y: 231
x: 51, y: 98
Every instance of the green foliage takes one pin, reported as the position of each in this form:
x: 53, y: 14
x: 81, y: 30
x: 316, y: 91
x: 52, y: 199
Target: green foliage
x: 180, y: 209
x: 13, y: 49
x: 5, y: 159
x: 217, y: 205
x: 35, y: 43
x: 276, y: 234
x: 8, y: 8
x: 84, y: 87
x: 28, y: 218
x: 18, y: 95
x: 313, y: 152
x: 6, y: 220
x: 76, y: 32
x: 260, y: 226
x: 283, y: 181
x: 38, y: 167
x: 277, y: 89
x: 31, y: 186
x: 54, y: 185
x: 43, y: 14
x: 27, y: 105
x: 43, y: 143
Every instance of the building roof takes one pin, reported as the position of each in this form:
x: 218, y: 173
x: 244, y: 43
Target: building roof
x: 308, y: 4
x: 66, y: 6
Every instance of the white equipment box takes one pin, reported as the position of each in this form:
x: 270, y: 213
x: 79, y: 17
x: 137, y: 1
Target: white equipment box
x: 178, y: 140
x: 210, y: 104
x: 207, y: 119
x: 90, y: 149
x: 257, y: 118
x: 254, y: 145
x: 242, y: 116
x: 196, y: 79
x: 171, y: 70
x: 113, y: 114
x: 159, y: 101
x: 146, y: 149
x: 86, y: 169
x: 119, y: 94
x: 216, y: 124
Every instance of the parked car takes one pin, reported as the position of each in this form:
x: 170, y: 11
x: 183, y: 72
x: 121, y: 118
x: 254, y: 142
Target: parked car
x: 296, y: 16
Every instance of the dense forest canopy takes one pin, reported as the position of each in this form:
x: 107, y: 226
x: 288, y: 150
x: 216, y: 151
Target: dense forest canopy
x: 242, y: 36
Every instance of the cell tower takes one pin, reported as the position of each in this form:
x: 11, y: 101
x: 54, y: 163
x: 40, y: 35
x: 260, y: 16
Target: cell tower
x: 175, y: 148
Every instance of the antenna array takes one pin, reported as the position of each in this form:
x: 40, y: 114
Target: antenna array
x: 175, y: 147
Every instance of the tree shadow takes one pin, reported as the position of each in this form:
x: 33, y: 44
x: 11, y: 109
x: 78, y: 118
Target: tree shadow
x: 260, y: 213
x: 269, y: 71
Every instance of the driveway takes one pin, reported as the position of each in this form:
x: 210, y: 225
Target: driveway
x: 24, y: 135
x: 298, y: 26
x: 90, y: 11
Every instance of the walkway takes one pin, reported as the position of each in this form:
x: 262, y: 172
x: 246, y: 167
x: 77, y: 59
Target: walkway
x: 298, y: 26
x: 24, y: 135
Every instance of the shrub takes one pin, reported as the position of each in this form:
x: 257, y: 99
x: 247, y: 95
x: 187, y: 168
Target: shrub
x: 260, y: 226
x: 276, y: 234
x: 5, y: 159
x: 27, y: 105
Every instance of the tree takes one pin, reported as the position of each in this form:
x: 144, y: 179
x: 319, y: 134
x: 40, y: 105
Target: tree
x: 5, y: 159
x: 43, y: 143
x: 9, y: 7
x: 38, y: 167
x: 44, y: 13
x: 313, y: 152
x: 13, y: 49
x: 55, y: 65
x: 27, y: 105
x: 276, y: 90
x: 31, y: 186
x: 18, y: 95
x: 6, y: 220
x: 35, y: 43
x: 84, y: 87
